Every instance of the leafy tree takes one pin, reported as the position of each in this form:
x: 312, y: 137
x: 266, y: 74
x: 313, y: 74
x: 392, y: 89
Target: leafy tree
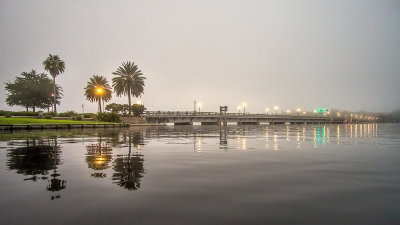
x: 98, y: 89
x: 138, y: 109
x: 114, y: 107
x: 31, y: 90
x: 54, y: 65
x: 128, y: 80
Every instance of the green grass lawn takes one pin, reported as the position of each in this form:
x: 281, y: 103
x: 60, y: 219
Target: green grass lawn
x: 4, y: 120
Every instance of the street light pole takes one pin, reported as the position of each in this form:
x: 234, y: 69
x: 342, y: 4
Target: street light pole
x: 99, y: 91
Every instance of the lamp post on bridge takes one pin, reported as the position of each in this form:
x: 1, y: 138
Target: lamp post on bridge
x: 267, y: 110
x: 239, y: 109
x: 199, y: 105
x: 298, y: 111
x: 276, y: 110
x: 244, y: 108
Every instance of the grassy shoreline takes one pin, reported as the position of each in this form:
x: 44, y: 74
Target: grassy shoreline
x: 10, y: 121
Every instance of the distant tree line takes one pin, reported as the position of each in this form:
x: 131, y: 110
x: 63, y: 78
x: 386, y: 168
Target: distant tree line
x: 36, y: 90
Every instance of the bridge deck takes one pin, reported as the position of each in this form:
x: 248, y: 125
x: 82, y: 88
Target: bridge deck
x: 214, y: 117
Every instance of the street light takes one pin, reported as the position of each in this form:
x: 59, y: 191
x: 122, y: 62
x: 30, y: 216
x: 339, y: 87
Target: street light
x: 138, y: 102
x: 315, y: 112
x: 287, y: 112
x: 298, y: 111
x: 244, y: 108
x: 276, y: 110
x: 238, y: 109
x: 267, y: 110
x: 199, y: 105
x: 99, y: 91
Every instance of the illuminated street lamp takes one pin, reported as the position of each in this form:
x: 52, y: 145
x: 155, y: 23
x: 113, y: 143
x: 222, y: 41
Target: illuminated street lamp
x: 267, y: 110
x: 304, y: 113
x: 244, y: 108
x: 287, y: 112
x: 298, y: 111
x: 276, y: 110
x: 238, y: 109
x: 138, y: 102
x: 99, y: 91
x: 315, y: 112
x: 199, y: 105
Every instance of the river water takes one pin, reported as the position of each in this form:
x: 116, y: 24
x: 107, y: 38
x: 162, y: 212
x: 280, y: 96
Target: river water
x: 276, y: 174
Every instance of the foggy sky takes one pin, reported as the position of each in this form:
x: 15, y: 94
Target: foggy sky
x: 308, y: 54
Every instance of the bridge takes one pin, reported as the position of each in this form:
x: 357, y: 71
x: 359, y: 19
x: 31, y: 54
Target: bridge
x: 215, y: 118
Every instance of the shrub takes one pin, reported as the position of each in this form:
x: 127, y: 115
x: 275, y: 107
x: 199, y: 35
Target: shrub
x: 67, y: 114
x: 8, y: 115
x: 78, y: 117
x: 50, y: 114
x: 108, y: 117
x: 21, y: 113
x: 89, y: 115
x: 47, y: 116
x: 4, y: 113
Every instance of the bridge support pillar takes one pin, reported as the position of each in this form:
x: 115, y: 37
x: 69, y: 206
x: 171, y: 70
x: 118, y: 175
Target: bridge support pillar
x: 248, y: 123
x: 183, y: 123
x: 209, y: 123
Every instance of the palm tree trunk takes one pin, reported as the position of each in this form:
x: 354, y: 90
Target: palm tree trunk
x: 129, y: 100
x: 100, y: 105
x: 54, y: 95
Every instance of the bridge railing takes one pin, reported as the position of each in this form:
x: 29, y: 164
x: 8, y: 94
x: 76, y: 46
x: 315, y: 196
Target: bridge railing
x: 234, y: 115
x: 179, y: 113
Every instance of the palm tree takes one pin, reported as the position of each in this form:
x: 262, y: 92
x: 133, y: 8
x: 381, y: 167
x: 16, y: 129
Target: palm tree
x: 98, y: 89
x: 128, y: 80
x: 54, y: 65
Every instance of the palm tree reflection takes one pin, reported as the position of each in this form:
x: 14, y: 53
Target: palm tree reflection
x: 55, y: 184
x: 35, y: 160
x: 98, y: 156
x: 129, y: 168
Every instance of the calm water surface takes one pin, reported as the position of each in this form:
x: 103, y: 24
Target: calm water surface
x: 296, y: 174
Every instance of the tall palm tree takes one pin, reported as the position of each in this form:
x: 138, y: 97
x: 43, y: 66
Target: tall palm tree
x: 98, y: 89
x: 128, y: 80
x: 54, y: 65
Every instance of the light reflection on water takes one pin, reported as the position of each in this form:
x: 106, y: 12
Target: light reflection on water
x: 164, y: 162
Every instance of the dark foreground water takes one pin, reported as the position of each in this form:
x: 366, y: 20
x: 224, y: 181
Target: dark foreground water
x: 313, y: 174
